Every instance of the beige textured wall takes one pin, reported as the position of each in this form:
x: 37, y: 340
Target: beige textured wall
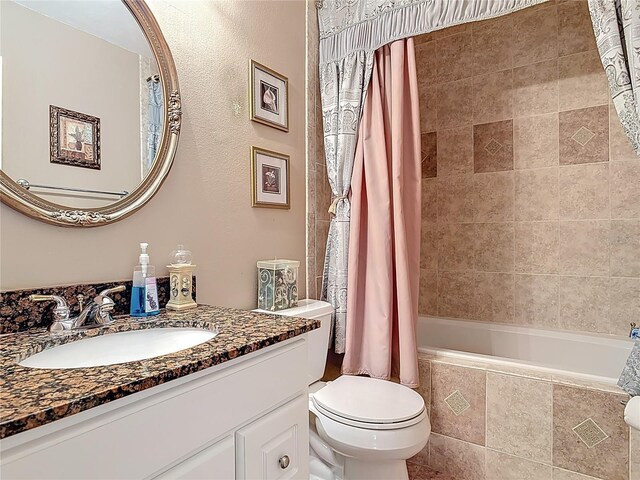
x: 531, y: 194
x: 49, y: 63
x: 205, y: 202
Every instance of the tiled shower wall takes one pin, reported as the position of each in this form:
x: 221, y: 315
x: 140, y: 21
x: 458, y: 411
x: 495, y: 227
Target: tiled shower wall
x: 318, y: 189
x: 491, y: 422
x: 531, y: 193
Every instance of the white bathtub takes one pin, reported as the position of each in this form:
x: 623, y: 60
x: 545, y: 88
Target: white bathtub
x: 591, y: 357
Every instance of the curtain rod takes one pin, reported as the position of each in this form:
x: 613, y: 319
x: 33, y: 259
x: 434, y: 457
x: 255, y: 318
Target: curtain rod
x: 153, y: 78
x: 26, y: 185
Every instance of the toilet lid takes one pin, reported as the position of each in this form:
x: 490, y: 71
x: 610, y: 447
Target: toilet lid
x: 369, y: 400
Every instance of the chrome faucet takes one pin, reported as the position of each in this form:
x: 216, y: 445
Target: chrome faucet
x: 97, y: 313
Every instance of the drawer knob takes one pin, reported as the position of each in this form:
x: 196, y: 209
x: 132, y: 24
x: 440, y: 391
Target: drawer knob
x: 284, y: 461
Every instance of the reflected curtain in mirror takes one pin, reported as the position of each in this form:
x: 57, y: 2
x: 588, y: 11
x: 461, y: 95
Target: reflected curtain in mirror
x: 155, y: 122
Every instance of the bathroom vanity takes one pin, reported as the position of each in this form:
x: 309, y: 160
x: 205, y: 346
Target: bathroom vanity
x: 233, y: 407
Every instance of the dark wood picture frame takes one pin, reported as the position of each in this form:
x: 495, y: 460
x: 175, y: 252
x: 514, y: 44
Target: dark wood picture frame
x: 65, y: 156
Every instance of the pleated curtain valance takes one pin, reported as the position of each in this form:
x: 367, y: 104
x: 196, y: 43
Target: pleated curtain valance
x: 348, y: 26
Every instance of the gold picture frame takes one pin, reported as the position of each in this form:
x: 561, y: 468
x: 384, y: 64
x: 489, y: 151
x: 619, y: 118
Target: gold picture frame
x: 270, y: 179
x: 268, y: 96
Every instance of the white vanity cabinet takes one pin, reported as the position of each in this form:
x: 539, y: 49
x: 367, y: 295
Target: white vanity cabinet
x: 243, y: 419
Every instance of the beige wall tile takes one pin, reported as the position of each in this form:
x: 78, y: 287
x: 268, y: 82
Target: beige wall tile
x: 609, y: 458
x: 322, y: 231
x: 425, y: 62
x: 429, y: 199
x: 584, y: 135
x: 536, y: 196
x: 584, y: 248
x: 519, y: 416
x: 424, y: 372
x: 619, y: 144
x: 560, y: 474
x: 536, y: 300
x: 454, y: 30
x: 584, y: 304
x: 323, y: 193
x: 492, y: 45
x: 493, y: 146
x: 575, y: 30
x: 470, y: 383
x: 535, y: 141
x: 492, y: 97
x: 493, y: 197
x: 429, y: 154
x: 454, y: 57
x: 494, y: 297
x: 455, y: 294
x: 536, y: 247
x: 535, y: 89
x: 625, y: 189
x: 428, y: 94
x: 455, y: 104
x: 584, y: 191
x: 429, y: 246
x: 634, y: 460
x: 625, y: 245
x: 582, y: 81
x: 494, y: 247
x: 428, y: 300
x: 501, y: 466
x: 455, y: 151
x: 460, y: 460
x: 624, y: 294
x: 455, y: 199
x: 456, y: 247
x: 537, y: 35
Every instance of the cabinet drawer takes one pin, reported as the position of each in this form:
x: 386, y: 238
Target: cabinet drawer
x: 216, y: 462
x: 275, y: 446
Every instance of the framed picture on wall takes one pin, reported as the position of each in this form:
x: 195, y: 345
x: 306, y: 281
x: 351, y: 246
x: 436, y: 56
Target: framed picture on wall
x: 269, y: 93
x: 269, y: 179
x: 74, y: 138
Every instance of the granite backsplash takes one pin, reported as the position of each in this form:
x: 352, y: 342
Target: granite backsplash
x: 18, y: 313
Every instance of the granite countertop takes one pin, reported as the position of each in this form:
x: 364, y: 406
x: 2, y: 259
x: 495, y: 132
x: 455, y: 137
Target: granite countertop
x: 32, y: 397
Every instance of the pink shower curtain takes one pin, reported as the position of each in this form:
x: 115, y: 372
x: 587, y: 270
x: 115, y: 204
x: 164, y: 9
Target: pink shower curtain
x: 384, y: 243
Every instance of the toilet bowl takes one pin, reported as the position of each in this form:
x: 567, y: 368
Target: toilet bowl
x: 360, y: 427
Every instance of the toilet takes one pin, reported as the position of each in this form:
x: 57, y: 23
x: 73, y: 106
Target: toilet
x: 360, y: 427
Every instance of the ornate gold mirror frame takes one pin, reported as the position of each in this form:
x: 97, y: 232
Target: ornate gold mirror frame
x: 26, y: 202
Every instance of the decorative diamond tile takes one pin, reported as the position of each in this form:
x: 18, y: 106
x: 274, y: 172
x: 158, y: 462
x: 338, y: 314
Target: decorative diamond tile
x: 457, y: 403
x: 583, y: 136
x: 590, y: 433
x: 493, y: 146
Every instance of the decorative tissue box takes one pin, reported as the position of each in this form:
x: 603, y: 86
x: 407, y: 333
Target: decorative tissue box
x: 277, y: 284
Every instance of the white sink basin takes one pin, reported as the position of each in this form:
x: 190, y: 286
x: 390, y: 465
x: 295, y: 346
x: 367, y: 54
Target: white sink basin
x: 119, y: 347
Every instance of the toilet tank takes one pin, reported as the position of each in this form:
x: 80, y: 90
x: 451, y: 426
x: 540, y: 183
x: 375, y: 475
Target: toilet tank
x: 318, y: 339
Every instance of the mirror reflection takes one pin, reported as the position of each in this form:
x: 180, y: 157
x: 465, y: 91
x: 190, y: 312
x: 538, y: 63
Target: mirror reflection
x: 82, y: 105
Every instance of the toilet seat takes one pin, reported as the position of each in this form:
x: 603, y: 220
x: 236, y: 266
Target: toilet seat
x: 369, y: 403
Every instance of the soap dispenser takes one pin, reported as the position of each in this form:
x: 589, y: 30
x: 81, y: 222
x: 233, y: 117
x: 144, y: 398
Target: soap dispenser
x: 144, y: 292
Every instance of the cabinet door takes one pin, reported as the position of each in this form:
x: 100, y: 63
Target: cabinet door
x: 216, y: 462
x: 276, y: 446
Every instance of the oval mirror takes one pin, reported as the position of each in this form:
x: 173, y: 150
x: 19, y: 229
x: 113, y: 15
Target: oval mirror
x: 90, y: 109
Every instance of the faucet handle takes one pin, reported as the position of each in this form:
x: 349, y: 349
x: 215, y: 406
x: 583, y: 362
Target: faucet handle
x: 109, y: 291
x: 106, y: 304
x: 60, y: 313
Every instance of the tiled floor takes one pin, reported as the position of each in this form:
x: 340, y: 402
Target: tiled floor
x: 418, y: 472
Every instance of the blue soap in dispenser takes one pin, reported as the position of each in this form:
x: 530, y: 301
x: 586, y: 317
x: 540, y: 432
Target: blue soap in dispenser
x: 144, y: 293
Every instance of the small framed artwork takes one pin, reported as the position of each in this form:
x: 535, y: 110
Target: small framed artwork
x: 74, y: 138
x: 269, y: 97
x: 269, y: 179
